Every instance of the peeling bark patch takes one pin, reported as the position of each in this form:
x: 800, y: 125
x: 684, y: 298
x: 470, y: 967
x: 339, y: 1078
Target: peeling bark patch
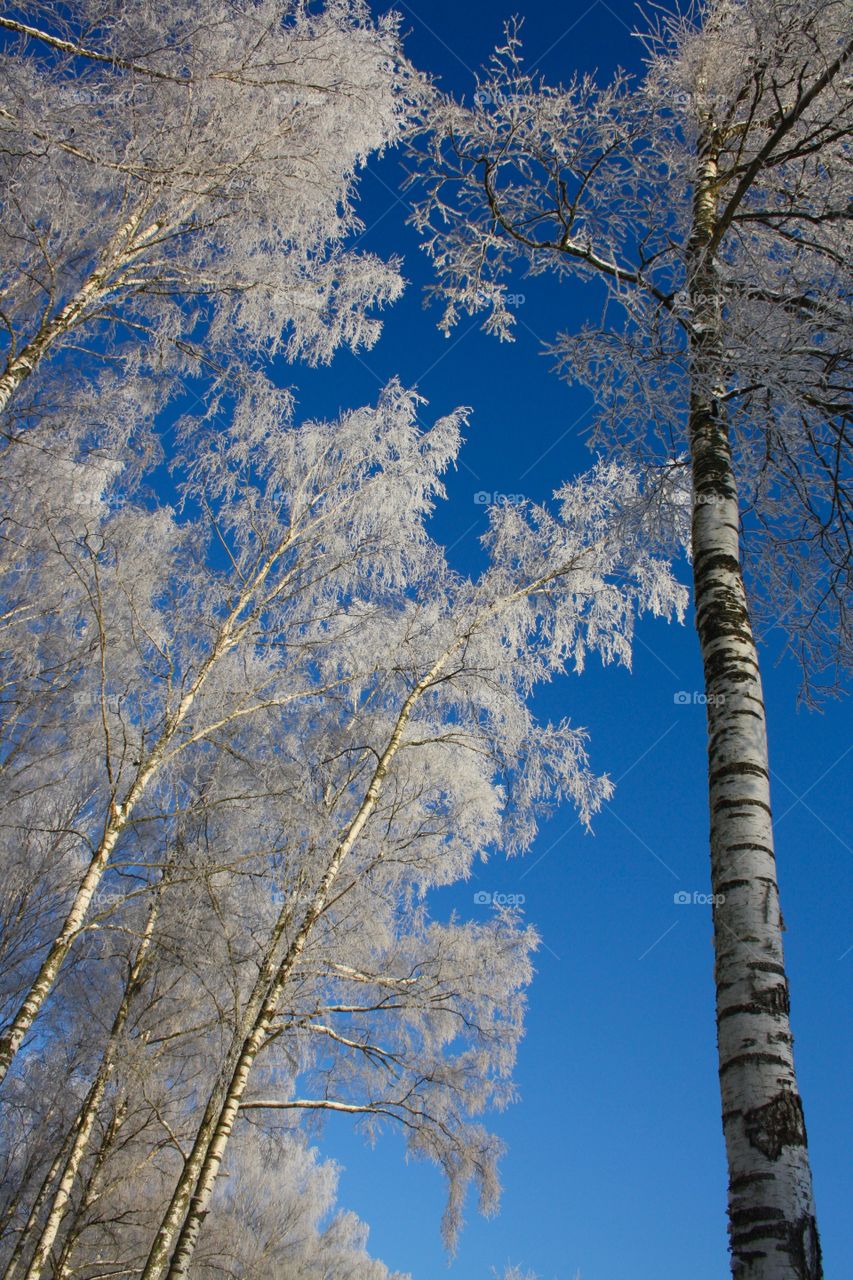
x: 774, y: 999
x: 779, y: 1123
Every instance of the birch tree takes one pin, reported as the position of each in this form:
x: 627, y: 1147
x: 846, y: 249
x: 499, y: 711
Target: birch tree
x: 169, y: 185
x: 571, y: 604
x: 711, y: 204
x: 155, y: 680
x: 291, y: 721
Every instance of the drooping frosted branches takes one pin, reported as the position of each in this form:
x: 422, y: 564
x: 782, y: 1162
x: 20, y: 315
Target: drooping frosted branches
x: 174, y: 192
x: 276, y: 711
x: 596, y: 183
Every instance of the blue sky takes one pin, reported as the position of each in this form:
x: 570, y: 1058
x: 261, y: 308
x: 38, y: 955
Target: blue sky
x: 616, y: 1164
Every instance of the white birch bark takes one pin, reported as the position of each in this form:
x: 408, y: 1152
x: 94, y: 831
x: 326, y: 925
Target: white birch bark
x: 88, y: 1112
x: 772, y: 1225
x: 40, y: 1201
x: 122, y: 251
x: 230, y: 633
x: 184, y: 1218
x: 61, y: 1266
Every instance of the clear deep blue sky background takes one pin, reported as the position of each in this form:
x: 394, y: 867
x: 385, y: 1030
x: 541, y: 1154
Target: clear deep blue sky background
x: 615, y: 1166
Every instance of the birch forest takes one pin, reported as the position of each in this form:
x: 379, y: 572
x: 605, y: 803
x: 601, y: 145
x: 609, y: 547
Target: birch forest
x: 262, y: 720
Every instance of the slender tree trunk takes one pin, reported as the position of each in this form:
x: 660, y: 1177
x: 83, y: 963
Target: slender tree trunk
x: 195, y: 1199
x: 121, y: 252
x: 37, y: 1206
x: 61, y: 1269
x: 117, y: 819
x: 13, y: 1036
x: 191, y: 1199
x: 22, y: 365
x: 174, y: 1215
x: 88, y: 1112
x: 772, y: 1225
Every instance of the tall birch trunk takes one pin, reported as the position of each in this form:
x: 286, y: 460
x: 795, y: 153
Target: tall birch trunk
x: 172, y: 1219
x: 85, y: 1120
x: 230, y: 633
x: 61, y: 1268
x: 14, y: 1035
x: 35, y: 1211
x: 19, y: 368
x: 122, y: 251
x: 772, y: 1225
x: 190, y: 1202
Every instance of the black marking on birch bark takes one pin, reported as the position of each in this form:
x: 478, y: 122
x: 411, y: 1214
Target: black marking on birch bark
x: 726, y: 886
x: 717, y: 603
x: 725, y: 668
x: 727, y: 727
x: 743, y: 1180
x: 745, y: 1259
x: 767, y: 966
x: 740, y: 802
x: 776, y: 1125
x: 724, y: 607
x: 712, y: 558
x: 728, y: 669
x: 751, y: 846
x: 720, y: 592
x: 775, y: 1229
x: 746, y: 1217
x: 740, y: 769
x: 725, y: 674
x: 772, y: 1000
x: 712, y: 473
x: 759, y: 1059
